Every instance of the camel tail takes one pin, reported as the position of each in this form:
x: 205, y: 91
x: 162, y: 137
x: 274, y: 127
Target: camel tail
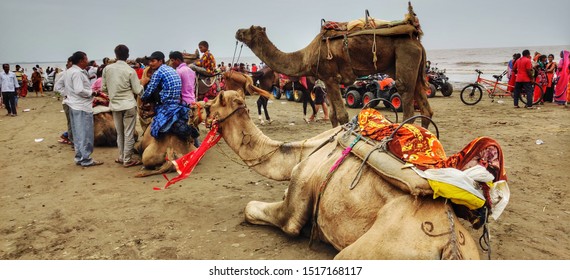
x: 253, y: 89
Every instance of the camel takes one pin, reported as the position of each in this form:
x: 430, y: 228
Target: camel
x: 399, y: 55
x: 155, y: 152
x: 375, y: 220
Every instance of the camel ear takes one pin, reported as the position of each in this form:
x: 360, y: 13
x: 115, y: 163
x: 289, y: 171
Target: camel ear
x: 263, y: 29
x: 221, y: 98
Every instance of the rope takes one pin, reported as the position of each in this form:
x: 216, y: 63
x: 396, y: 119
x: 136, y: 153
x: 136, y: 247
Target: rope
x: 485, y: 239
x: 334, y: 167
x: 329, y: 53
x: 235, y: 48
x: 374, y: 57
x: 380, y: 146
x: 213, y: 81
x: 229, y: 157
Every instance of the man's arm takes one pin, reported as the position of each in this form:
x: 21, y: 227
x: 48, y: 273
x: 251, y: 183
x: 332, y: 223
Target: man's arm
x: 104, y: 81
x: 154, y: 81
x: 135, y: 82
x: 59, y: 85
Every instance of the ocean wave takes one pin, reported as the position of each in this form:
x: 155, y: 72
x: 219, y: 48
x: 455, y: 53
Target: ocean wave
x: 468, y: 63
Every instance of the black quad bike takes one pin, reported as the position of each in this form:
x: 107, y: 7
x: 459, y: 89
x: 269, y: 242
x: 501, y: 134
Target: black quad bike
x: 367, y: 89
x: 438, y: 81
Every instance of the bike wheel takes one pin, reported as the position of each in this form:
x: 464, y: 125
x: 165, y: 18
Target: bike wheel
x: 471, y: 94
x: 537, y: 93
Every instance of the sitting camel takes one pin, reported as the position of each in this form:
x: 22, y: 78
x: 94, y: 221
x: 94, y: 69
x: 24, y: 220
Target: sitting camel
x: 375, y: 220
x: 154, y: 152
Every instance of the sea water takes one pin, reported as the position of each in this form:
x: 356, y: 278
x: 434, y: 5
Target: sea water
x: 460, y: 64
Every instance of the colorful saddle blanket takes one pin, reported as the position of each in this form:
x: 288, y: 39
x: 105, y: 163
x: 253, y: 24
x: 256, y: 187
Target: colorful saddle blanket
x: 418, y: 146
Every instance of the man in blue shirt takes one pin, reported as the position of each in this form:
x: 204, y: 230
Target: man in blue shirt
x: 164, y: 88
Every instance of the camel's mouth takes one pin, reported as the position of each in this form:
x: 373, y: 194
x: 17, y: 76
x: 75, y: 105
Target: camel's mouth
x: 239, y: 34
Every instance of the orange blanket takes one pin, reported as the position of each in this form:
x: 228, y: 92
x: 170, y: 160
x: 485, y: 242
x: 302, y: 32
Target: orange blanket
x: 417, y: 145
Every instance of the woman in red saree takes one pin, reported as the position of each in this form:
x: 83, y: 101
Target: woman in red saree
x: 560, y: 91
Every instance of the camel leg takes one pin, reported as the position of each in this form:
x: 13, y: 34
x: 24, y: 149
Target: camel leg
x: 405, y: 229
x: 338, y: 113
x: 290, y: 215
x: 151, y: 158
x: 408, y: 60
x: 425, y: 108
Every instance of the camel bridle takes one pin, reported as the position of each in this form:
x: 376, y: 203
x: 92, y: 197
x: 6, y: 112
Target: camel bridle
x: 219, y: 120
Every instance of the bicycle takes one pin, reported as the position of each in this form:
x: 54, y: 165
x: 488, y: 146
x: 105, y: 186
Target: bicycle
x: 472, y: 93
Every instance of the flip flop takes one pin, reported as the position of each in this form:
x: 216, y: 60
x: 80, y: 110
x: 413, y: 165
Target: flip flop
x: 132, y: 163
x: 118, y: 161
x: 93, y: 163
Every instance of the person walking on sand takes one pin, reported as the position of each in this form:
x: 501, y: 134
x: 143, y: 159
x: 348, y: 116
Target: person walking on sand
x: 37, y: 82
x: 79, y: 99
x: 523, y: 71
x: 9, y: 88
x: 121, y: 83
x: 320, y: 98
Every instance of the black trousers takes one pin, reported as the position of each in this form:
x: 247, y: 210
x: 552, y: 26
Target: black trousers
x: 9, y: 99
x: 262, y: 102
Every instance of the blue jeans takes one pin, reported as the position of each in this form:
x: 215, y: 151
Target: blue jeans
x: 526, y: 87
x: 83, y: 136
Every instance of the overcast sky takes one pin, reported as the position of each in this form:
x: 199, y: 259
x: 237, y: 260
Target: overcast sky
x: 51, y: 30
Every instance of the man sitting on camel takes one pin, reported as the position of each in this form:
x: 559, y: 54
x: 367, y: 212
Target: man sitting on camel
x: 164, y: 88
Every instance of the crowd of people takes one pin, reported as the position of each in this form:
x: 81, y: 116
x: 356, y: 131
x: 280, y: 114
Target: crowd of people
x: 553, y: 78
x: 117, y: 83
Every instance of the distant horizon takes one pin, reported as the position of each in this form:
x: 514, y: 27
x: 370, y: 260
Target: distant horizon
x: 249, y: 56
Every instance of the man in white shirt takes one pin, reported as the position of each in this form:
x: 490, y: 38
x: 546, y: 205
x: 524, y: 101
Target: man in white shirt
x: 59, y: 86
x: 79, y: 99
x: 9, y: 87
x: 92, y: 71
x: 122, y: 84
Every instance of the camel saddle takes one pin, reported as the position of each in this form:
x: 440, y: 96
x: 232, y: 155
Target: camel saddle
x: 410, y: 25
x: 388, y: 166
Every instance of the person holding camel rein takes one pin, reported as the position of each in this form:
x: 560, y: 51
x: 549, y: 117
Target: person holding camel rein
x: 80, y: 99
x: 122, y: 84
x: 164, y: 88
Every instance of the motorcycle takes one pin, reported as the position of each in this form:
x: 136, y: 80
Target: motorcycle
x: 438, y: 81
x: 366, y: 89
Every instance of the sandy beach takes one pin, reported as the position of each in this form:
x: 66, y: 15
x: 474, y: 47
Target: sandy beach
x: 51, y: 209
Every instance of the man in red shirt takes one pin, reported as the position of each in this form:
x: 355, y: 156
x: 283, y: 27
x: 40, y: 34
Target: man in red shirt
x: 523, y: 69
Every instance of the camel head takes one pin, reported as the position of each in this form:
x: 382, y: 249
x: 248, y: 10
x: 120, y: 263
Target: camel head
x: 247, y: 35
x: 198, y: 113
x: 224, y: 106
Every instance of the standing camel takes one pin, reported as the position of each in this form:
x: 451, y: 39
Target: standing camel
x: 375, y: 220
x: 339, y: 57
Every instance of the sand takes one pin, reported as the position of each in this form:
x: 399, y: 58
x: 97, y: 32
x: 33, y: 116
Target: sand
x: 52, y: 209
